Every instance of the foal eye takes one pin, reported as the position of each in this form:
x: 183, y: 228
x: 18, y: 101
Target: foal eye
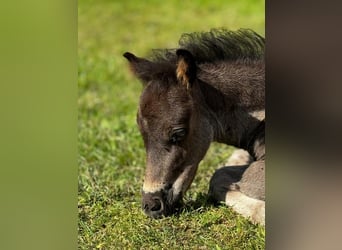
x: 177, y: 135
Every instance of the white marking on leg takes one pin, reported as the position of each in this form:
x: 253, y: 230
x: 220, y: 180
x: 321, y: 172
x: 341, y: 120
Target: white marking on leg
x: 239, y: 157
x: 246, y: 206
x: 259, y: 114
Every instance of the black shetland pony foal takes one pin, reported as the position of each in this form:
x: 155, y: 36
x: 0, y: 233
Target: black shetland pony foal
x: 212, y: 88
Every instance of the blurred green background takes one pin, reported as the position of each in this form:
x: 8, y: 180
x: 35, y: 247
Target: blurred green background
x: 111, y: 152
x: 38, y: 128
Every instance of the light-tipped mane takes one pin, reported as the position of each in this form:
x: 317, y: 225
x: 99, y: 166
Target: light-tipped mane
x: 216, y: 45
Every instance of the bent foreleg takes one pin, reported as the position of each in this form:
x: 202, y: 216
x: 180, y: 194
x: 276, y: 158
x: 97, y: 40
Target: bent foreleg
x: 242, y: 188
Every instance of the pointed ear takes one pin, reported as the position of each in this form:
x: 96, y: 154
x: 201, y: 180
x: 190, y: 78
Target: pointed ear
x: 141, y: 67
x: 186, y: 67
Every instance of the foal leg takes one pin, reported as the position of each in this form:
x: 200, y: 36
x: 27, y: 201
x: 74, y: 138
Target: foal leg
x: 247, y: 197
x: 242, y: 188
x: 239, y: 157
x: 248, y: 207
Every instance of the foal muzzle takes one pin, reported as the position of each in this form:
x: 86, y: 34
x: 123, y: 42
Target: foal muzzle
x: 159, y: 204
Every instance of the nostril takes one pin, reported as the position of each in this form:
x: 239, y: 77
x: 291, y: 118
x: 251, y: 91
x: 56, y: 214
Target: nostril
x: 157, y: 206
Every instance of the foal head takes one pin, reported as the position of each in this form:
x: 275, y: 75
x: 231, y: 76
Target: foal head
x: 175, y: 134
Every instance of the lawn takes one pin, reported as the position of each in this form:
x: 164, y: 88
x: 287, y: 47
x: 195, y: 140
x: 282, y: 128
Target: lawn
x: 111, y: 152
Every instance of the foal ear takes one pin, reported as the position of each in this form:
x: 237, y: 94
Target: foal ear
x: 140, y: 67
x: 186, y: 67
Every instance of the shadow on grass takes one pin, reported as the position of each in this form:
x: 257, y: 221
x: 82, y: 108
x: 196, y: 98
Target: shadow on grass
x: 202, y: 203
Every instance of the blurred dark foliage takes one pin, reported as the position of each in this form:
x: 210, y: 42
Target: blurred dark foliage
x: 304, y: 121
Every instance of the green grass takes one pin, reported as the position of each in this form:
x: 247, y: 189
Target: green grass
x: 111, y: 152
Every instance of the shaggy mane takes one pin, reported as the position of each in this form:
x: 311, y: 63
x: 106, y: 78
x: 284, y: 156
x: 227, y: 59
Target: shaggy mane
x: 216, y: 45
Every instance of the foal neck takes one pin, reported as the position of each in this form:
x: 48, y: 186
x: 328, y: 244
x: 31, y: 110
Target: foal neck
x: 233, y: 95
